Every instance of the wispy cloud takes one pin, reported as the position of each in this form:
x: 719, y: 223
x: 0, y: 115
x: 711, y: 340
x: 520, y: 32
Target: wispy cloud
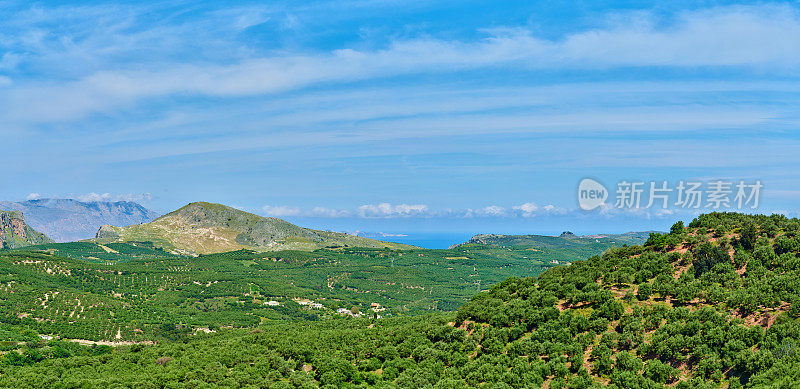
x: 382, y: 210
x: 727, y: 36
x: 388, y: 211
x: 281, y: 211
x: 533, y: 210
x: 90, y: 197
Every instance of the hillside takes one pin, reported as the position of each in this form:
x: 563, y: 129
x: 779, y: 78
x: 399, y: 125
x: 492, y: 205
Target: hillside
x: 712, y: 304
x: 205, y: 228
x: 554, y: 249
x: 16, y: 233
x: 67, y: 220
x: 565, y: 239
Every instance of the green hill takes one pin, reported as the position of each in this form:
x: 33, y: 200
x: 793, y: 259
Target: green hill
x: 205, y: 228
x: 566, y: 239
x: 16, y: 233
x: 549, y: 249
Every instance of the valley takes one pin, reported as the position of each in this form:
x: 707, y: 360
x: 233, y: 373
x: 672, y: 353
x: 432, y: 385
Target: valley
x: 709, y: 304
x: 134, y: 288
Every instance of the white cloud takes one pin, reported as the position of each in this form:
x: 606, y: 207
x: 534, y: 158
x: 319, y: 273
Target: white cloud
x: 665, y: 212
x: 764, y: 37
x: 133, y: 197
x: 527, y: 209
x: 329, y: 212
x: 533, y: 210
x: 610, y: 211
x: 493, y: 211
x: 554, y: 210
x: 389, y: 210
x: 281, y: 211
x: 724, y: 36
x: 34, y: 196
x: 382, y: 210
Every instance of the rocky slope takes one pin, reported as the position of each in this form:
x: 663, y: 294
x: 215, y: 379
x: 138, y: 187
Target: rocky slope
x: 67, y: 220
x: 14, y: 232
x: 204, y: 228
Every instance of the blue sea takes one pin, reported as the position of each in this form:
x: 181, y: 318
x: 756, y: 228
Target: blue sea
x: 430, y: 240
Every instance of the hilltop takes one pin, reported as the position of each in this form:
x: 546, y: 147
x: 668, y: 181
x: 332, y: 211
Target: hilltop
x: 67, y: 220
x: 556, y: 249
x: 16, y: 233
x: 205, y: 228
x: 566, y: 238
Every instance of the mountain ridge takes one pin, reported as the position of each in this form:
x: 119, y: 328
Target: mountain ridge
x: 205, y: 228
x: 67, y: 220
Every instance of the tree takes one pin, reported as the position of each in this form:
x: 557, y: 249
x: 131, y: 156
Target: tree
x: 659, y: 372
x: 706, y: 256
x: 644, y: 292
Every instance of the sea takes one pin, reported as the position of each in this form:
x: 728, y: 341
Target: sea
x: 430, y: 240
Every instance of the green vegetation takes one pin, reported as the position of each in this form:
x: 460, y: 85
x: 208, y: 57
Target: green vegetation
x: 710, y: 304
x: 101, y: 253
x: 90, y: 291
x: 551, y: 249
x: 206, y: 228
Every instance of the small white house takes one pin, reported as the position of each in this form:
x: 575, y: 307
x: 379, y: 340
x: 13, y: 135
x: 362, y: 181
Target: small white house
x: 272, y: 303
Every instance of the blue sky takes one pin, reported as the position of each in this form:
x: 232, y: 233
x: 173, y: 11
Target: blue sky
x: 398, y: 116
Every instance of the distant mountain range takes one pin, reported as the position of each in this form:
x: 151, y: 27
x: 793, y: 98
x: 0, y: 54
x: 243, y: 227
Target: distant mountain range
x: 66, y: 220
x: 205, y: 228
x: 15, y: 233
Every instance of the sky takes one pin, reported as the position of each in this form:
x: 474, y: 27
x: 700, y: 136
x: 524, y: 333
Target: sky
x: 400, y: 116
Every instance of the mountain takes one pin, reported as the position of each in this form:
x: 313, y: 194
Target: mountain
x: 16, y: 233
x: 67, y: 220
x: 205, y: 228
